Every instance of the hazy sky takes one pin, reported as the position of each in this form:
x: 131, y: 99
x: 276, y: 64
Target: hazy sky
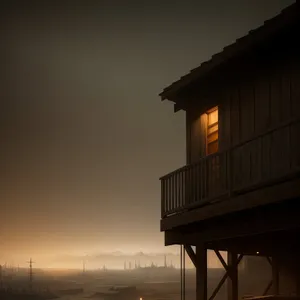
x: 84, y: 135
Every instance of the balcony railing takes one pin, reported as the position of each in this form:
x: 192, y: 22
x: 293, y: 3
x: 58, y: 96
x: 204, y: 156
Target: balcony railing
x: 272, y: 156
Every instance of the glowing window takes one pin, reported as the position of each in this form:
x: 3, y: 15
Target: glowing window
x: 212, y: 131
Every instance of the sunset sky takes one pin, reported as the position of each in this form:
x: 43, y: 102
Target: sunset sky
x: 84, y: 135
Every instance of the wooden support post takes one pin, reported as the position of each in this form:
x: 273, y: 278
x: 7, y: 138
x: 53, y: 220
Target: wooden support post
x: 275, y: 275
x: 270, y: 284
x: 201, y: 273
x: 232, y: 287
x: 189, y: 250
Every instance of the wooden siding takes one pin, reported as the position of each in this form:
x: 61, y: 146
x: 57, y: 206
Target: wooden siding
x: 249, y: 106
x: 259, y: 129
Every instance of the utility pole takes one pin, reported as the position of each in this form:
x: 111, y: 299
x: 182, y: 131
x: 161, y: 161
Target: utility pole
x: 83, y: 267
x: 30, y: 275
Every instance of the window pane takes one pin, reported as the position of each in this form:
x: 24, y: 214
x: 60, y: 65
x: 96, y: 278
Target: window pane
x: 213, y: 117
x: 212, y: 137
x: 212, y: 129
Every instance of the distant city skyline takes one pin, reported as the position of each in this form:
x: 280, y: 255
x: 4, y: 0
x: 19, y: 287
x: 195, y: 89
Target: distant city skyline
x: 114, y: 260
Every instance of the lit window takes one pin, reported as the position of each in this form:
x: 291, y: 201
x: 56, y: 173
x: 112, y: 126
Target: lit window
x: 212, y: 131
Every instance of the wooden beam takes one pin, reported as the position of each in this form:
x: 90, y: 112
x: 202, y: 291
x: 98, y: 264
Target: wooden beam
x: 275, y: 275
x: 232, y: 287
x: 223, y: 279
x: 218, y: 287
x: 268, y: 288
x: 221, y: 259
x: 251, y: 222
x: 191, y: 254
x: 250, y: 245
x: 201, y: 272
x: 269, y: 259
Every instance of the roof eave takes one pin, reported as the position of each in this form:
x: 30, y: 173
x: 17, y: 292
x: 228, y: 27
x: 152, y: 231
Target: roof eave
x: 243, y: 44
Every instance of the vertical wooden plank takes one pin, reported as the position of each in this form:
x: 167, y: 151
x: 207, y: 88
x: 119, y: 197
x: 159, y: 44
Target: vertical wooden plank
x: 188, y: 116
x: 245, y: 113
x: 247, y: 110
x: 203, y: 135
x: 205, y: 179
x: 179, y: 188
x: 183, y: 188
x: 243, y: 173
x: 173, y: 191
x: 209, y: 191
x: 275, y: 275
x: 256, y: 161
x: 234, y: 169
x: 187, y: 186
x: 232, y: 284
x: 190, y: 184
x: 266, y: 156
x: 201, y: 272
x: 262, y: 101
x: 162, y: 182
x: 202, y: 179
x: 286, y: 107
x: 198, y: 127
x: 295, y: 88
x: 235, y: 117
x: 224, y: 122
x: 176, y: 189
x: 280, y: 152
x: 192, y: 180
x: 197, y: 181
x: 295, y: 145
x: 275, y: 98
x: 170, y: 194
x: 167, y: 195
x: 196, y: 140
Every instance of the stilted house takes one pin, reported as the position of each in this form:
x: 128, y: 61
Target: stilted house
x: 239, y: 191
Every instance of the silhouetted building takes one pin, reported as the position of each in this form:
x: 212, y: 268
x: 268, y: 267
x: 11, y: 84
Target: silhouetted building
x: 240, y: 187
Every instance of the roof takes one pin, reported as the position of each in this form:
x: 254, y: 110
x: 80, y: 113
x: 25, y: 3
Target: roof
x: 254, y: 37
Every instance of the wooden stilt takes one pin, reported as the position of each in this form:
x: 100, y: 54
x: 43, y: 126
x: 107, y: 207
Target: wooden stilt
x: 232, y: 286
x: 201, y: 273
x: 275, y: 276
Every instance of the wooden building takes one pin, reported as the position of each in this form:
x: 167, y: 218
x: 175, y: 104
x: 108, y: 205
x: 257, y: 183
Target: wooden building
x: 240, y: 187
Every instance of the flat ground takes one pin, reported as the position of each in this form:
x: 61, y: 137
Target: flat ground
x: 151, y: 284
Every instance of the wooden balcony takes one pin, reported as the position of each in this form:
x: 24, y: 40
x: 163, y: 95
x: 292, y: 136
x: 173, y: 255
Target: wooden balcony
x: 265, y: 160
